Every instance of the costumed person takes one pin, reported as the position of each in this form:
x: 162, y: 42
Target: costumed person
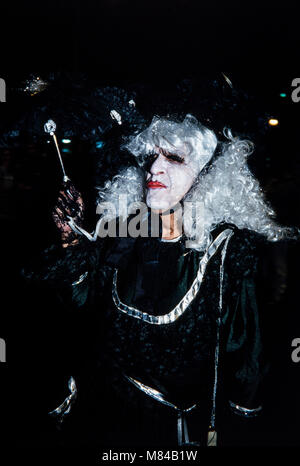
x: 174, y: 326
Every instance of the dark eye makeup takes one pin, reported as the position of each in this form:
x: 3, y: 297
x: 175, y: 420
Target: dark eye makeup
x: 173, y: 157
x: 152, y: 156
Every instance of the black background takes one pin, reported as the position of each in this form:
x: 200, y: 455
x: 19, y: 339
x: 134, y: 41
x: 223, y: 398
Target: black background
x: 159, y: 37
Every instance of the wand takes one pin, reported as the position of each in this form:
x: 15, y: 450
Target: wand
x: 50, y: 128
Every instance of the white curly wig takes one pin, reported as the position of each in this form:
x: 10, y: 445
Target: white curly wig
x: 226, y: 189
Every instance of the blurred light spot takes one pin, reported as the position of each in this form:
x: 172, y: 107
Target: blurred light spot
x: 66, y: 141
x: 34, y: 85
x: 99, y: 144
x: 66, y: 151
x: 227, y: 80
x: 283, y: 94
x: 273, y: 122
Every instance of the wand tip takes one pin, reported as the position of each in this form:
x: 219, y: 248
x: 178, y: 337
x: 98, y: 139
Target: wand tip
x: 50, y: 127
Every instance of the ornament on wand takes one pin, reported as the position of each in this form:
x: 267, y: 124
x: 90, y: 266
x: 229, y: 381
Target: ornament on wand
x: 50, y: 128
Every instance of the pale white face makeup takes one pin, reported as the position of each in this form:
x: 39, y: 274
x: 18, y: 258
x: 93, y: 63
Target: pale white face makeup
x: 169, y: 178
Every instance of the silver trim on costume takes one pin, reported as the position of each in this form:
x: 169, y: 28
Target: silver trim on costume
x: 219, y: 322
x: 80, y: 279
x: 246, y: 412
x: 188, y: 297
x: 175, y: 240
x: 116, y: 116
x: 182, y: 429
x: 65, y: 407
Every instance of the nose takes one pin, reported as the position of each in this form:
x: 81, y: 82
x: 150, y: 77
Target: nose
x: 157, y: 168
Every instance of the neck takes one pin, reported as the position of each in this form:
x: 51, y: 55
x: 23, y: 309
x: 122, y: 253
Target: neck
x: 171, y: 225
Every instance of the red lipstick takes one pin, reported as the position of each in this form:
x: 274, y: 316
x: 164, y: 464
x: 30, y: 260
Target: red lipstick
x: 155, y: 185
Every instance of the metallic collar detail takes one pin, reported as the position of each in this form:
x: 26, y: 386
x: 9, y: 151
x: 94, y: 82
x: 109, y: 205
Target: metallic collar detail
x: 246, y: 412
x: 185, y: 301
x: 63, y: 409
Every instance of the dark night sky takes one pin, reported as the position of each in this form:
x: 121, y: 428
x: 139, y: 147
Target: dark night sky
x: 126, y: 36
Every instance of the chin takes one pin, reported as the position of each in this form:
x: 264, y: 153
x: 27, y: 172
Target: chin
x: 159, y: 206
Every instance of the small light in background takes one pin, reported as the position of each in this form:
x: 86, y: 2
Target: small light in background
x: 283, y: 95
x: 66, y: 141
x: 65, y: 150
x: 34, y: 85
x: 273, y: 122
x: 99, y: 144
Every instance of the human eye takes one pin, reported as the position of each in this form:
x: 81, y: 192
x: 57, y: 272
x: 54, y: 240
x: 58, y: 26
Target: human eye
x: 152, y: 156
x: 175, y: 158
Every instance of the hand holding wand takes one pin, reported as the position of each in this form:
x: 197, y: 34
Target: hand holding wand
x: 62, y: 216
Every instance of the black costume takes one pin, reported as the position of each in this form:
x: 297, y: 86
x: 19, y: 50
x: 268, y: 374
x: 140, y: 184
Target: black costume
x: 146, y: 380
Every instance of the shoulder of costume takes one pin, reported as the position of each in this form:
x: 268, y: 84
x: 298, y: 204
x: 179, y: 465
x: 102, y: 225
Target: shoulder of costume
x: 240, y: 235
x: 243, y: 250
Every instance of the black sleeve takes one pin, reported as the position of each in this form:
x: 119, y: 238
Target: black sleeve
x: 57, y: 324
x: 65, y: 271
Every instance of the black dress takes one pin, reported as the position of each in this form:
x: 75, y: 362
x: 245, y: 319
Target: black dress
x: 168, y: 339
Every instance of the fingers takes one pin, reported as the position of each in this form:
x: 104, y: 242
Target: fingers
x: 69, y: 204
x: 64, y: 207
x: 59, y: 222
x: 62, y: 212
x: 70, y: 194
x: 67, y: 195
x: 74, y: 191
x: 58, y: 212
x: 71, y: 207
x: 70, y: 190
x: 64, y: 228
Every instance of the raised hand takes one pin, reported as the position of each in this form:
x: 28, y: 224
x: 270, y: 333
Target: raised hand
x: 69, y: 204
